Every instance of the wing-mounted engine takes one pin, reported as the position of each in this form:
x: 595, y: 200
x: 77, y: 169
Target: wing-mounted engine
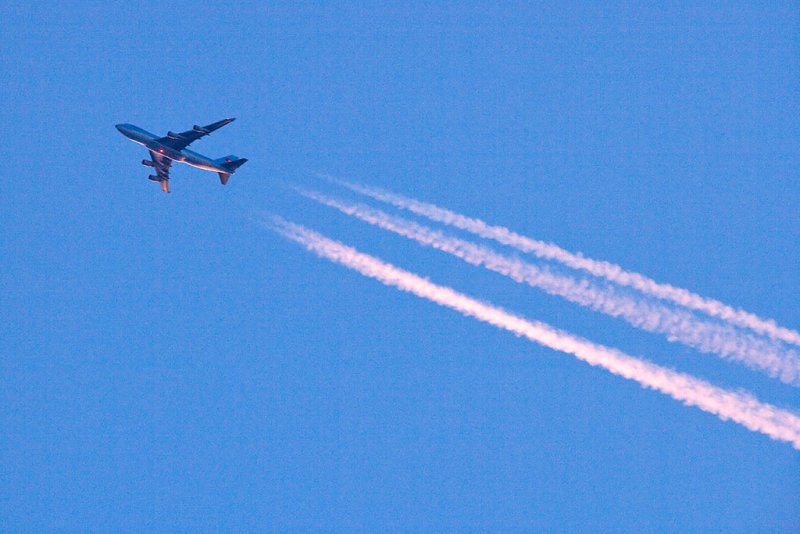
x: 163, y: 181
x: 181, y: 140
x: 148, y: 163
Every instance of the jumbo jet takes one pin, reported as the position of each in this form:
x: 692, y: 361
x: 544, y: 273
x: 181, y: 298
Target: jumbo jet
x: 165, y: 150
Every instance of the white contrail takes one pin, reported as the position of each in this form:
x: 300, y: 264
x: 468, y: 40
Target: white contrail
x: 678, y: 325
x: 740, y: 407
x: 603, y: 269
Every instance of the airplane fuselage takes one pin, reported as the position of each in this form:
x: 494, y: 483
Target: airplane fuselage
x: 150, y: 141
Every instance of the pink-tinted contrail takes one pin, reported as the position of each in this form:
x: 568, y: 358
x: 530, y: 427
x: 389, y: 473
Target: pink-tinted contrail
x: 740, y: 407
x: 609, y: 271
x: 678, y: 325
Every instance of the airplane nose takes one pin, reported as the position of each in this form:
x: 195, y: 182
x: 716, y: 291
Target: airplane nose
x: 119, y: 127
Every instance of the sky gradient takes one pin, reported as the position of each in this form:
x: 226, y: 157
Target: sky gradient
x: 168, y: 363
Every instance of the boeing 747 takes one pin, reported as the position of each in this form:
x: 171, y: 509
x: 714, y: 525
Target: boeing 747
x: 165, y: 150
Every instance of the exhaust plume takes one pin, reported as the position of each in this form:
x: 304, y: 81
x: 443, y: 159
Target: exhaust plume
x: 740, y: 407
x: 603, y: 269
x: 678, y: 325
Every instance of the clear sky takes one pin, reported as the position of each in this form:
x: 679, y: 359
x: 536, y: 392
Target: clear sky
x: 168, y: 363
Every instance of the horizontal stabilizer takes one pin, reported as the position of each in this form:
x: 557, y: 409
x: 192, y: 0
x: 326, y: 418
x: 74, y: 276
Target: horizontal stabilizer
x: 231, y: 162
x: 223, y: 177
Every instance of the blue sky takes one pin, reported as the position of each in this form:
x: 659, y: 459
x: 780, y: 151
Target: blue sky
x: 168, y: 363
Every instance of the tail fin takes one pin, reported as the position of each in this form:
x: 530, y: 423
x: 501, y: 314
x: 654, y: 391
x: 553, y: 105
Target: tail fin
x: 231, y: 162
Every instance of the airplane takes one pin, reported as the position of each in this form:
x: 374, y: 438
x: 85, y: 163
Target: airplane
x: 172, y: 147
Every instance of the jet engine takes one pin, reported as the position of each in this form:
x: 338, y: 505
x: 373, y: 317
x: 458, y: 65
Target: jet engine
x: 148, y: 163
x: 200, y: 129
x: 173, y: 135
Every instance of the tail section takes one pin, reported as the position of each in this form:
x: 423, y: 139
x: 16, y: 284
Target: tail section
x: 231, y: 163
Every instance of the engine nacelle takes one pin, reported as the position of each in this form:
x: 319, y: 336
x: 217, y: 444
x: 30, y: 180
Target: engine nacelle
x: 148, y: 163
x: 173, y: 135
x: 200, y: 129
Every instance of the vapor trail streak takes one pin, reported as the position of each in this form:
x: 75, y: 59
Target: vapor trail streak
x: 603, y: 269
x: 678, y: 325
x: 740, y: 407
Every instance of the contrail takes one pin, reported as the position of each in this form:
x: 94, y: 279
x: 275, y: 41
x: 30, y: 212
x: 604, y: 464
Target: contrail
x: 740, y: 407
x: 603, y: 269
x: 678, y: 325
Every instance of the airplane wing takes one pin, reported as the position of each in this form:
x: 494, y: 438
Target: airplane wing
x: 181, y: 140
x: 161, y: 165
